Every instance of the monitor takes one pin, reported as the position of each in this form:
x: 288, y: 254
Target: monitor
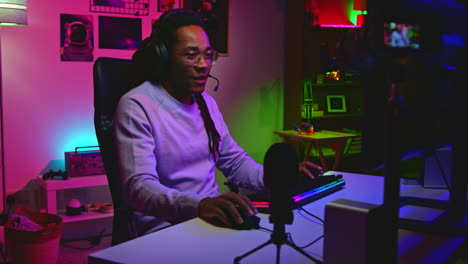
x: 398, y: 34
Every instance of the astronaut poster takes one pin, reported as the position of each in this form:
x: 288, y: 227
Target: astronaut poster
x: 76, y: 38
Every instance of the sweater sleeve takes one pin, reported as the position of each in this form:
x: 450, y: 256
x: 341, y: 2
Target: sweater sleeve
x: 239, y: 168
x: 137, y: 163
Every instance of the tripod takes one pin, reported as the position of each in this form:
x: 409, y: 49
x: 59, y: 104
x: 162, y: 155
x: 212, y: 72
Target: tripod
x: 279, y: 238
x: 280, y: 161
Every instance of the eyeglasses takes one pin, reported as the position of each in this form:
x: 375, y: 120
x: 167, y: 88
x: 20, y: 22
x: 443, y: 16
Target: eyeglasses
x: 193, y: 59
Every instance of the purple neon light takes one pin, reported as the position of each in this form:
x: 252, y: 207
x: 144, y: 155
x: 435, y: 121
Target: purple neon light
x: 340, y: 26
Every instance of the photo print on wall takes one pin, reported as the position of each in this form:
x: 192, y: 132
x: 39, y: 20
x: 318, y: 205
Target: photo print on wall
x: 76, y: 38
x: 119, y: 33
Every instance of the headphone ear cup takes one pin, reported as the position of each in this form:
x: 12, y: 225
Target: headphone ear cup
x: 159, y: 61
x: 162, y: 53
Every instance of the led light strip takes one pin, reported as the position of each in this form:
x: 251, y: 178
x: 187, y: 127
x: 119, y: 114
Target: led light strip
x: 305, y: 195
x: 320, y: 189
x: 340, y: 26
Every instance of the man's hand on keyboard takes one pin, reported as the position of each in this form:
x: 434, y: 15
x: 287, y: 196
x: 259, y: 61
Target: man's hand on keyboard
x: 310, y: 169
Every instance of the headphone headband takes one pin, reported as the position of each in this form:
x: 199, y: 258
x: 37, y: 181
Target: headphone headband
x: 174, y: 12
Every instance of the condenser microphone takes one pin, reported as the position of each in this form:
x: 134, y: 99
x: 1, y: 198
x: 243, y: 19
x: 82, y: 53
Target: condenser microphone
x: 217, y: 82
x: 280, y: 175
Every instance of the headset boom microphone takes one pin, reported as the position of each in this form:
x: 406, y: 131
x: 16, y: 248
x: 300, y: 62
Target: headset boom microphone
x: 217, y: 82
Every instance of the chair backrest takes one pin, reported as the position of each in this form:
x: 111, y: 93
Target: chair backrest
x: 112, y: 78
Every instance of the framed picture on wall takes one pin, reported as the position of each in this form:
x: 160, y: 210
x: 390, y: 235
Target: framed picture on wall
x: 216, y: 16
x: 119, y: 32
x: 336, y: 104
x: 166, y: 5
x: 76, y: 37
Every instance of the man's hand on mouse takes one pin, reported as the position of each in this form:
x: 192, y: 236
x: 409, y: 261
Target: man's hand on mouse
x: 223, y: 209
x: 306, y: 167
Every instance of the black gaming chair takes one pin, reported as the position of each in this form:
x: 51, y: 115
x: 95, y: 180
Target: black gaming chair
x: 112, y: 78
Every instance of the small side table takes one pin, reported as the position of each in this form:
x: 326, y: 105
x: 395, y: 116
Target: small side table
x: 318, y: 138
x: 50, y: 187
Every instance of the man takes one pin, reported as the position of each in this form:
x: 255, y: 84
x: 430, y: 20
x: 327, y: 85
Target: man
x: 399, y: 36
x: 170, y: 134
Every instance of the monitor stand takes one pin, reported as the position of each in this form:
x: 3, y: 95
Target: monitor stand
x: 452, y: 222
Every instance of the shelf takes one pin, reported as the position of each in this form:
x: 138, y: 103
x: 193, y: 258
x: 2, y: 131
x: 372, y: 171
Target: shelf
x: 83, y: 216
x: 51, y: 187
x: 74, y: 182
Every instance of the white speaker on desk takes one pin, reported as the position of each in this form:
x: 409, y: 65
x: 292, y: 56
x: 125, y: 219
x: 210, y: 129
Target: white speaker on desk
x: 438, y: 165
x: 352, y: 232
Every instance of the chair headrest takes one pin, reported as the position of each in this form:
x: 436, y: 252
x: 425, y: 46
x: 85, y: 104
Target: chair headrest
x: 112, y: 78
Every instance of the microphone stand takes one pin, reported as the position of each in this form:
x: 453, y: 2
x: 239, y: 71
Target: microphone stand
x: 280, y: 160
x: 279, y: 238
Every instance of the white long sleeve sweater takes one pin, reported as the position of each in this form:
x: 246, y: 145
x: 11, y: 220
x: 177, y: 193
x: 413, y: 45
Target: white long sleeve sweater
x: 164, y: 159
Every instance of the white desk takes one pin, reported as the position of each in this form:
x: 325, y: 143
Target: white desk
x: 195, y: 241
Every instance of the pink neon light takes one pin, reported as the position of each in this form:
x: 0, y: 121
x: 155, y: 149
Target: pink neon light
x: 340, y: 26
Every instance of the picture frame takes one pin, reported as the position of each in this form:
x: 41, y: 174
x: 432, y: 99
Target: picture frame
x: 76, y: 37
x: 216, y: 16
x: 336, y: 104
x: 123, y: 33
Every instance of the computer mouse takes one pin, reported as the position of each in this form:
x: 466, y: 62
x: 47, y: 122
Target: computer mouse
x: 250, y: 221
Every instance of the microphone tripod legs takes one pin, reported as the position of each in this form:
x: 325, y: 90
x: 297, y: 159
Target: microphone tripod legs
x: 239, y: 258
x: 278, y: 237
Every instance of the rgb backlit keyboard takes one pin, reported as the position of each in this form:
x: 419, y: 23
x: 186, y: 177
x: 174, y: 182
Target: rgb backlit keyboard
x: 306, y: 191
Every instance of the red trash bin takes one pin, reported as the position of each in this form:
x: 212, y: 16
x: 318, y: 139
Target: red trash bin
x: 34, y: 247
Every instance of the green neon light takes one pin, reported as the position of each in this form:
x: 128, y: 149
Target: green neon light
x: 352, y: 14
